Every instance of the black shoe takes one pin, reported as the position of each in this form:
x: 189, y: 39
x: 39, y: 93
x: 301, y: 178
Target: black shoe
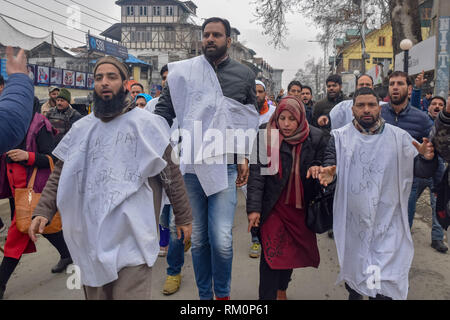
x: 330, y: 234
x: 2, y: 292
x: 61, y: 265
x: 439, y: 246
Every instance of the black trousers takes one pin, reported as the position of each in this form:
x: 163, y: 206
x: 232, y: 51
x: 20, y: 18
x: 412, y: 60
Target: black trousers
x: 271, y: 280
x: 353, y: 295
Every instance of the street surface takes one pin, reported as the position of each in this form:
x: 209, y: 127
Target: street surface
x: 429, y: 275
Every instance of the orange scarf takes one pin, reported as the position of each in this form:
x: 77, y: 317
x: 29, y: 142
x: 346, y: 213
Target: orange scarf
x: 265, y: 108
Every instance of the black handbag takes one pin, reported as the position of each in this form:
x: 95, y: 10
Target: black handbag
x: 319, y: 217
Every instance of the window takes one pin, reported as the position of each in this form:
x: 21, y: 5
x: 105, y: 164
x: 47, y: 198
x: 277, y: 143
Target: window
x: 157, y: 11
x: 354, y: 64
x: 381, y: 41
x: 130, y: 11
x: 132, y: 36
x: 383, y: 61
x: 169, y: 11
x: 143, y: 11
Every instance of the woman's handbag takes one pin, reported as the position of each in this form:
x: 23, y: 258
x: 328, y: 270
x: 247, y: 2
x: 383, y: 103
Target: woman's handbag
x: 26, y: 201
x: 319, y: 217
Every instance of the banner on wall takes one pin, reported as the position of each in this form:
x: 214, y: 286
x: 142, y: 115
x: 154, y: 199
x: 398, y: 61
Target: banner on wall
x: 31, y: 68
x: 42, y: 76
x: 90, y: 81
x: 69, y: 79
x: 56, y: 76
x: 80, y: 82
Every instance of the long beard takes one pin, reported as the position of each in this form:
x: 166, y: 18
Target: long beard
x: 109, y: 109
x: 217, y: 54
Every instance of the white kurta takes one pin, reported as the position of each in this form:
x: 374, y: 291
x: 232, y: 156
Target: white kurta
x: 371, y: 230
x: 203, y: 112
x: 264, y: 118
x: 342, y: 114
x: 104, y: 197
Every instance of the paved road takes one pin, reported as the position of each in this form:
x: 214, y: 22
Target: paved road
x: 429, y: 276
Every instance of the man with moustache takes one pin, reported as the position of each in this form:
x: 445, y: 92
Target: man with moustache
x: 218, y: 93
x: 63, y: 116
x: 400, y: 113
x: 108, y: 188
x: 373, y: 164
x: 53, y: 93
x: 342, y: 113
x: 307, y: 98
x: 324, y: 106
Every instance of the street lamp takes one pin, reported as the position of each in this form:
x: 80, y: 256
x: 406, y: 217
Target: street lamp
x: 406, y: 45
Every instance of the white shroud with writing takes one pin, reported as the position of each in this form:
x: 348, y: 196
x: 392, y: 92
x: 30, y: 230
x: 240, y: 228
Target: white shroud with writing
x: 104, y: 197
x: 204, y: 113
x: 374, y: 179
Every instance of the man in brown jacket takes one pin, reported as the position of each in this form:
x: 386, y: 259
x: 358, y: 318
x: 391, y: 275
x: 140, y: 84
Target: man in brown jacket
x: 108, y: 188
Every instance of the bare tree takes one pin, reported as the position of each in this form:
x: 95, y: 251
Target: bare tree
x: 333, y: 17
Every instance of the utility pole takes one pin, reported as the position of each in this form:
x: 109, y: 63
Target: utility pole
x: 53, y: 49
x: 363, y: 36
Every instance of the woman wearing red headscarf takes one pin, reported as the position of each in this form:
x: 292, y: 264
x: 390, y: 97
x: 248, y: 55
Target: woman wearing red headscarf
x: 279, y: 194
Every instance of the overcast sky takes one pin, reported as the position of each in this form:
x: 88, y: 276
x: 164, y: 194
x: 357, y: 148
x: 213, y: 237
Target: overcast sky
x: 238, y: 12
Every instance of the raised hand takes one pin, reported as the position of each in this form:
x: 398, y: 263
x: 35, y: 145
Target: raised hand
x: 420, y: 80
x: 16, y: 64
x: 323, y: 121
x: 426, y: 149
x: 326, y: 175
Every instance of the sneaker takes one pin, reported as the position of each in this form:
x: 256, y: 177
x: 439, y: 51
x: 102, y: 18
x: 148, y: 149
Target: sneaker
x: 187, y: 246
x: 255, y: 250
x: 172, y: 284
x: 163, y: 251
x: 439, y: 246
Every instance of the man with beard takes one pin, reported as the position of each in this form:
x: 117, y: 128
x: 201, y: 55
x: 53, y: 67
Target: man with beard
x: 107, y: 187
x: 306, y: 96
x: 212, y: 92
x: 373, y: 164
x: 400, y: 113
x: 53, y: 92
x: 324, y: 106
x: 63, y: 116
x: 342, y: 113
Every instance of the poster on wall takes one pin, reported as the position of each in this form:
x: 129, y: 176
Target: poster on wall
x: 90, y: 81
x: 43, y: 76
x: 31, y: 72
x: 56, y: 77
x: 69, y: 78
x: 80, y: 80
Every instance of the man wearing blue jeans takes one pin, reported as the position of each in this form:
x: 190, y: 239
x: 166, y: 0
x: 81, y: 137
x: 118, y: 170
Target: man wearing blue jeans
x: 215, y: 92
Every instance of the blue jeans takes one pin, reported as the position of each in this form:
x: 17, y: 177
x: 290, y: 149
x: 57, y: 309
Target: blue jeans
x: 164, y: 232
x: 419, y: 185
x: 212, y: 240
x: 175, y: 255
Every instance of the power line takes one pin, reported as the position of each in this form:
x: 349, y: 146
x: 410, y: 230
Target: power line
x: 61, y: 15
x: 79, y: 30
x: 28, y: 24
x: 103, y: 14
x: 88, y: 14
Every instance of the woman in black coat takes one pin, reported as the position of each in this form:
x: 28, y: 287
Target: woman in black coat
x: 279, y: 192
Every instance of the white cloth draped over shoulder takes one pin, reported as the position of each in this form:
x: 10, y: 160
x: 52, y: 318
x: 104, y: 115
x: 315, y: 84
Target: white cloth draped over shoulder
x: 104, y: 197
x: 264, y: 118
x: 204, y: 115
x: 371, y: 230
x: 342, y: 114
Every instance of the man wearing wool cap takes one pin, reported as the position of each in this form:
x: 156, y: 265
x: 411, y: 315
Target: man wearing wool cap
x: 108, y: 188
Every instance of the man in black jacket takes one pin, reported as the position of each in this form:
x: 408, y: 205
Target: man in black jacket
x: 213, y: 207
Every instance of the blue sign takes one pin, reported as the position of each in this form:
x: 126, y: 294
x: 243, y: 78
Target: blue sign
x: 106, y: 47
x: 443, y: 61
